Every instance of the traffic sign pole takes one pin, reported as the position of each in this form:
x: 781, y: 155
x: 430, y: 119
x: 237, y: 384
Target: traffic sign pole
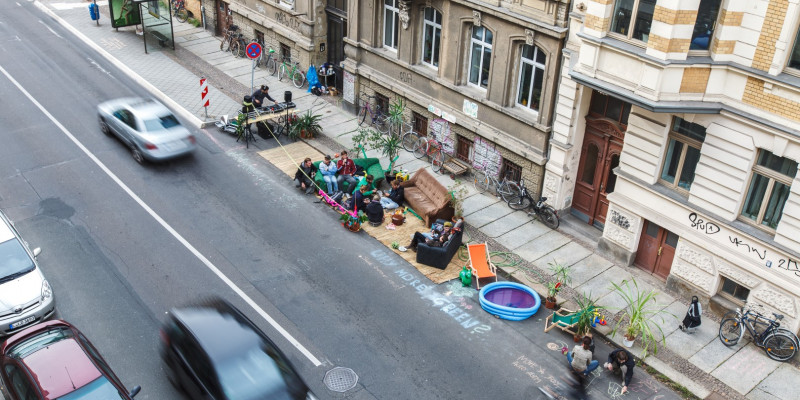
x: 253, y: 51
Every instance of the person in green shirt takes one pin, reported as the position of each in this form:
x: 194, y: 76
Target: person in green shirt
x: 365, y: 181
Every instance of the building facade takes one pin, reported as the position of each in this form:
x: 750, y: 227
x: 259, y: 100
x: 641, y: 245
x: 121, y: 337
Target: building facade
x: 299, y: 29
x: 480, y: 76
x: 677, y: 132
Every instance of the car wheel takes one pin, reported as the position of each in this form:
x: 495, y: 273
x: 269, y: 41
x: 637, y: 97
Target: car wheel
x: 104, y: 126
x: 137, y: 155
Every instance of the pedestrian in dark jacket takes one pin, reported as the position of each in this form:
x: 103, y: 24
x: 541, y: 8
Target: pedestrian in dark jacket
x: 359, y: 200
x: 261, y: 94
x: 375, y: 211
x: 305, y: 175
x: 621, y: 360
x: 692, y: 318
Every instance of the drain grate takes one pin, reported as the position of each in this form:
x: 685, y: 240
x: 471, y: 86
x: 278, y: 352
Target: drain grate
x: 340, y: 379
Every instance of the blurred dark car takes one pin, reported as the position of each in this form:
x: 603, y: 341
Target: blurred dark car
x: 212, y: 351
x: 53, y: 360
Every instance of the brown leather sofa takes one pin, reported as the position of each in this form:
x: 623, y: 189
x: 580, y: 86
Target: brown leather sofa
x: 427, y: 197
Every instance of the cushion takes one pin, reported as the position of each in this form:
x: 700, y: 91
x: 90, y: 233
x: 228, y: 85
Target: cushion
x: 422, y: 204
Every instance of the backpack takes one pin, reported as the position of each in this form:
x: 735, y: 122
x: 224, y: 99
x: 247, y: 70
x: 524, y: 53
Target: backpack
x: 337, y: 197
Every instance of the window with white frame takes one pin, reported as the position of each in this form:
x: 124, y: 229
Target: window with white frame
x: 769, y: 189
x: 480, y: 56
x: 633, y: 18
x: 287, y: 4
x: 683, y: 154
x: 431, y: 37
x: 391, y: 22
x: 531, y: 77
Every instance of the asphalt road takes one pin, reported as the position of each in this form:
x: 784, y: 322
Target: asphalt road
x: 116, y: 269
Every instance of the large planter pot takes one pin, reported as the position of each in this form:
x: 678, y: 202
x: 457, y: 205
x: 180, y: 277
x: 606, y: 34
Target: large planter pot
x: 352, y: 226
x: 627, y: 342
x: 550, y: 303
x: 305, y: 134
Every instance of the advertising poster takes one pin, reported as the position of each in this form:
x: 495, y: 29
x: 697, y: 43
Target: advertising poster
x: 124, y: 13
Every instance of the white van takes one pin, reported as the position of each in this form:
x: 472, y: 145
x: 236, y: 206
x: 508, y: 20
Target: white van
x: 25, y: 296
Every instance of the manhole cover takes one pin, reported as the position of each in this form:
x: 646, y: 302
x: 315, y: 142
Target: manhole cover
x: 340, y: 379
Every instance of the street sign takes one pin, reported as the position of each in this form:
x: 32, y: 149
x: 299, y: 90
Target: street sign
x: 204, y: 92
x: 253, y: 51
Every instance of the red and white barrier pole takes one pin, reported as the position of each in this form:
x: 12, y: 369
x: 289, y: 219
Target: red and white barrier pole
x: 204, y: 94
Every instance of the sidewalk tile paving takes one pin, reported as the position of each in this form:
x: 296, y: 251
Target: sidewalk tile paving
x: 744, y: 367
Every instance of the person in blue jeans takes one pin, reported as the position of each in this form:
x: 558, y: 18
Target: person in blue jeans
x: 580, y: 358
x: 328, y: 171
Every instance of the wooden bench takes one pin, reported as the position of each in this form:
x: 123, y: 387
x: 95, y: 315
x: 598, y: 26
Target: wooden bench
x: 455, y: 166
x: 162, y: 40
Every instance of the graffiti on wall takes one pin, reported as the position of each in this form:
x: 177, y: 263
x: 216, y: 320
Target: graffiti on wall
x: 486, y: 157
x: 287, y: 20
x: 348, y: 87
x: 440, y: 129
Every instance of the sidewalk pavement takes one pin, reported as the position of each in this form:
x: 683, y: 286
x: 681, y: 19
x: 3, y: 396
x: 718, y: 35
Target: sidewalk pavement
x: 699, y: 361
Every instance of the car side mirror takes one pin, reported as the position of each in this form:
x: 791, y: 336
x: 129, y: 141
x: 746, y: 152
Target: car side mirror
x: 135, y: 391
x: 37, y: 251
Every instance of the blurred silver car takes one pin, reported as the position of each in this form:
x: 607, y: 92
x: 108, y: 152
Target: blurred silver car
x: 26, y: 297
x: 147, y: 127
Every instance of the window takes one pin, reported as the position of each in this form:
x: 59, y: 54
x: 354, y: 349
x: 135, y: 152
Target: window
x: 420, y: 124
x: 734, y: 290
x: 609, y: 107
x: 514, y: 170
x: 340, y: 5
x: 704, y: 24
x: 531, y: 76
x: 286, y: 52
x: 260, y: 37
x: 683, y: 153
x: 632, y: 18
x: 794, y: 59
x: 391, y: 19
x: 382, y: 102
x: 769, y: 189
x: 480, y: 56
x: 22, y: 388
x: 287, y: 3
x: 464, y: 149
x: 431, y: 37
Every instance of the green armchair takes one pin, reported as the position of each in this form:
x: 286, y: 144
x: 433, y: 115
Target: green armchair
x: 372, y: 166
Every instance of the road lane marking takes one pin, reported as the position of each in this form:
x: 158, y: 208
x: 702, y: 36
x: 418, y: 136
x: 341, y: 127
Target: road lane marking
x: 314, y: 360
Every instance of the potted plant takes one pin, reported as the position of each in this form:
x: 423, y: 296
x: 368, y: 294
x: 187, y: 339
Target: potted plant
x: 561, y: 277
x: 640, y: 312
x: 352, y: 220
x: 458, y: 192
x: 370, y: 139
x: 305, y: 126
x: 587, y: 309
x: 395, y: 117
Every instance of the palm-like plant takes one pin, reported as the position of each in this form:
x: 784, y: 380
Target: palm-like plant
x: 306, y: 124
x: 587, y: 306
x: 640, y: 311
x: 561, y: 275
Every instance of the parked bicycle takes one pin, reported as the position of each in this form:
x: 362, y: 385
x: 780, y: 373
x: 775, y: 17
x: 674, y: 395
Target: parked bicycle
x: 409, y: 138
x: 268, y: 61
x: 780, y: 344
x: 543, y: 211
x: 228, y: 37
x: 179, y: 11
x: 293, y: 72
x: 428, y: 146
x: 239, y: 45
x: 376, y: 117
x: 506, y: 189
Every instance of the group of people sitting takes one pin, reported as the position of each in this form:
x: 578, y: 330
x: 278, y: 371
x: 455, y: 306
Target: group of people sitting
x: 437, y: 237
x: 363, y: 195
x: 619, y: 361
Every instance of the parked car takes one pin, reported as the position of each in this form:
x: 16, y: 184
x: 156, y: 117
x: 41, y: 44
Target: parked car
x: 212, y: 351
x: 147, y: 127
x: 25, y: 296
x: 54, y: 360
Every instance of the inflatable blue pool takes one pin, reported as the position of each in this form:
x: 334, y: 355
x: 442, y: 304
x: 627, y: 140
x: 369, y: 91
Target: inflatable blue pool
x: 509, y: 300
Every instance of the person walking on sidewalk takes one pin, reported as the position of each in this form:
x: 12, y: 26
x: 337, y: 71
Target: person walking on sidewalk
x: 622, y: 361
x: 347, y: 168
x: 328, y: 171
x: 692, y: 319
x: 580, y: 358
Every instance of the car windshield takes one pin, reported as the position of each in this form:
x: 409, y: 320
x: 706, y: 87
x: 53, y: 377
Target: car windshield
x: 255, y: 375
x: 98, y: 389
x: 14, y: 260
x: 160, y: 123
x: 38, y: 342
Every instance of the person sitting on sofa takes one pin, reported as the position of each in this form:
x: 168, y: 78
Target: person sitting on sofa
x: 394, y: 197
x: 347, y: 168
x: 367, y: 183
x: 374, y: 211
x: 328, y: 171
x: 433, y: 239
x: 305, y: 175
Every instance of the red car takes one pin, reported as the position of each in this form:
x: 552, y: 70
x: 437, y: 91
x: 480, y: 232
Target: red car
x: 54, y: 360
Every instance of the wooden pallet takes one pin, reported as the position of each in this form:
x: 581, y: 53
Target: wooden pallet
x: 456, y: 166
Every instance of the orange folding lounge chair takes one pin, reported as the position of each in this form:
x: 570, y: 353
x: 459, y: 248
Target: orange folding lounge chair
x: 480, y: 264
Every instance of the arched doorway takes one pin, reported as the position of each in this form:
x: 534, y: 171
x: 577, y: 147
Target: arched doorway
x: 602, y: 146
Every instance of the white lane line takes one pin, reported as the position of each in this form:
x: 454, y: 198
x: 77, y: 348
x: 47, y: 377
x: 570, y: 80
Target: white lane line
x: 50, y: 29
x: 169, y: 228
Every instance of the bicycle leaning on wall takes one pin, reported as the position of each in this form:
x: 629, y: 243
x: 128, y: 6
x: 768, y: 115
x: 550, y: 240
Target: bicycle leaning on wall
x: 780, y: 344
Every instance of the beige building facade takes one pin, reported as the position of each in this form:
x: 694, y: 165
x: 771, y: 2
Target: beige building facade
x: 480, y: 76
x: 677, y: 132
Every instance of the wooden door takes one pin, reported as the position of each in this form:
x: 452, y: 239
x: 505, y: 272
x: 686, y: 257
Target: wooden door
x: 222, y: 16
x: 656, y: 250
x: 602, y: 145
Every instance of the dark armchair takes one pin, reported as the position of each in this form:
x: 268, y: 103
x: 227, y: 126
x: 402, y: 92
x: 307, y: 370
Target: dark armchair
x: 439, y: 257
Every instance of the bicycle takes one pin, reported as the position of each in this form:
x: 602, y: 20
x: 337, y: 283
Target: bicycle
x: 505, y: 189
x: 239, y: 46
x: 544, y: 212
x: 179, y: 11
x: 409, y: 138
x: 296, y: 74
x: 376, y: 116
x: 779, y: 344
x: 269, y: 62
x: 428, y: 146
x: 228, y: 37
